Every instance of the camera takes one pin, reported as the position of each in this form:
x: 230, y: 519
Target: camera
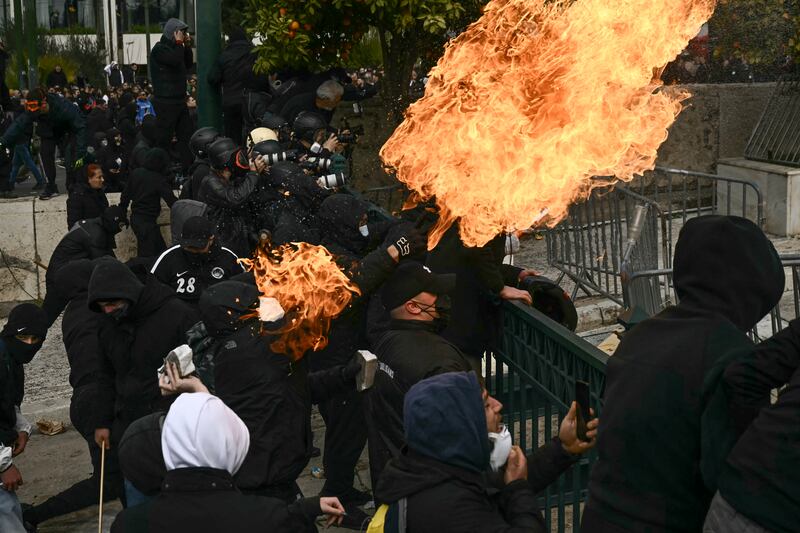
x: 316, y: 163
x: 331, y: 181
x: 352, y: 136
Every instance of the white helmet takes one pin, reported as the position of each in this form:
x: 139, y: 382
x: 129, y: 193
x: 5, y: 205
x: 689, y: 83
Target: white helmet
x: 261, y: 134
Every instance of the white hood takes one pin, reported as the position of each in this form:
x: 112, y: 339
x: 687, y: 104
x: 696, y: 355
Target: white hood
x: 201, y: 431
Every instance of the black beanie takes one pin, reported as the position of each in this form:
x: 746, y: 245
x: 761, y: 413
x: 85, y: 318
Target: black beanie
x: 26, y: 319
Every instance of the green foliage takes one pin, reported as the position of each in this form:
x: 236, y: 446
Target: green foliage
x: 761, y: 32
x: 366, y: 52
x: 70, y: 30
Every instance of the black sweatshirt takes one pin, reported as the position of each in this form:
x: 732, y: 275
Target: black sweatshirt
x: 146, y: 188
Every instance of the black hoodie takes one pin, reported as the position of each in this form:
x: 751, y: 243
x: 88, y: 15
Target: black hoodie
x: 667, y: 424
x: 133, y: 347
x: 147, y: 186
x: 441, y: 473
x: 147, y: 139
x: 230, y: 68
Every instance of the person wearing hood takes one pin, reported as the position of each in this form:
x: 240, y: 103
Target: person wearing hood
x: 410, y: 351
x: 99, y: 119
x: 170, y: 60
x: 196, y: 262
x: 88, y: 239
x: 20, y: 339
x: 145, y: 189
x: 669, y: 421
x: 205, y: 445
x: 115, y: 161
x: 58, y: 122
x: 126, y: 122
x: 145, y: 141
x: 227, y: 74
x: 79, y: 329
x: 198, y: 143
x: 440, y: 477
x: 139, y: 325
x: 87, y: 199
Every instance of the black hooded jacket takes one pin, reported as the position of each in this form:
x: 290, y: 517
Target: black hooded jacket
x: 442, y: 472
x: 133, y: 348
x: 88, y: 239
x: 147, y: 186
x: 147, y: 139
x: 228, y: 207
x: 80, y: 324
x: 230, y: 70
x: 84, y: 202
x: 668, y: 422
x: 408, y: 352
x: 169, y: 65
x: 255, y: 383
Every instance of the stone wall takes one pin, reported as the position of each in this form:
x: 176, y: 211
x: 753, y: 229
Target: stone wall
x: 30, y: 229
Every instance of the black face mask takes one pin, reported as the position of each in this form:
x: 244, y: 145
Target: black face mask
x: 22, y: 352
x: 121, y: 312
x: 442, y: 307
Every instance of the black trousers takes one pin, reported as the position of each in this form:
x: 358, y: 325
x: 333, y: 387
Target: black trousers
x: 149, y: 241
x: 54, y: 301
x: 83, y: 493
x: 174, y: 120
x: 232, y: 119
x: 47, y: 151
x: 345, y: 438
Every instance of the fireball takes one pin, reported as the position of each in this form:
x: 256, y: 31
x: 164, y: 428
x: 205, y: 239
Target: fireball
x: 536, y: 104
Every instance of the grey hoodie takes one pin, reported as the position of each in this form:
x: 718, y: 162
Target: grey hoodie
x: 173, y: 25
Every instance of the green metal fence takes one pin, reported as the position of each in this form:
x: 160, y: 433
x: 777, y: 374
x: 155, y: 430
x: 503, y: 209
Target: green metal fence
x: 532, y: 371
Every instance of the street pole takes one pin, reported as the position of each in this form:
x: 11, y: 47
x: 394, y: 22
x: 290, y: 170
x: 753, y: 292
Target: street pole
x: 147, y: 30
x: 20, y: 47
x: 208, y: 16
x: 31, y: 29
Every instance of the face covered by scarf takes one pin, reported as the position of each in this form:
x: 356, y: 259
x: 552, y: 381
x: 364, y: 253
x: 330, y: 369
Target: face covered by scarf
x: 25, y: 320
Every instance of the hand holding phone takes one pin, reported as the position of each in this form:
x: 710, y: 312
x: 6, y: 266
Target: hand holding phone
x: 583, y: 413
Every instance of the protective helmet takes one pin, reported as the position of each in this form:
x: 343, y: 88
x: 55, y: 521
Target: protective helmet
x: 307, y: 124
x: 281, y: 173
x: 551, y: 300
x: 221, y: 153
x: 200, y: 140
x: 273, y: 122
x: 267, y: 147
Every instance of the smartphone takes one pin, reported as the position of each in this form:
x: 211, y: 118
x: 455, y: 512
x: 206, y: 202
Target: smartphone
x: 583, y: 414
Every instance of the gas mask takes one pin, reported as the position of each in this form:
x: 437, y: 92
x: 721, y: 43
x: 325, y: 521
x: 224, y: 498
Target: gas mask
x: 22, y: 352
x: 501, y: 448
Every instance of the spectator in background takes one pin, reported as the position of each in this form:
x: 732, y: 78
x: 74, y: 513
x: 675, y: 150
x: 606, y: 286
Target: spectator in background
x: 22, y: 156
x: 57, y: 78
x: 170, y: 60
x: 227, y: 74
x: 87, y: 199
x: 114, y: 161
x: 115, y: 76
x: 144, y: 107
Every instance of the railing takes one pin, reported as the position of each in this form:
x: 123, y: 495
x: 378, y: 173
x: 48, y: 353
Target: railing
x: 532, y: 371
x: 390, y: 198
x: 776, y: 138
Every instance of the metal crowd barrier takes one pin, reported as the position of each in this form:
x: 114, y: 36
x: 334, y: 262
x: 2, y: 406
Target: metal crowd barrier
x: 619, y: 243
x: 390, y: 197
x: 532, y: 371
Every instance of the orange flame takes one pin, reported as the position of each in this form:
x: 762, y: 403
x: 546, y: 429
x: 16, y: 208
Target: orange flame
x: 310, y: 287
x: 536, y: 99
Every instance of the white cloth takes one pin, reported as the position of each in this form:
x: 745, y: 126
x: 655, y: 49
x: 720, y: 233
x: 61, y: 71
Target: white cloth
x: 6, y: 452
x: 201, y: 431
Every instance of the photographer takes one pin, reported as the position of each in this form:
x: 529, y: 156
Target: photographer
x: 322, y: 102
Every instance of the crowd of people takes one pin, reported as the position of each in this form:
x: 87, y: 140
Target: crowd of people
x: 215, y: 440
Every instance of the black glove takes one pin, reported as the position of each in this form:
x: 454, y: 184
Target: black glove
x: 408, y: 240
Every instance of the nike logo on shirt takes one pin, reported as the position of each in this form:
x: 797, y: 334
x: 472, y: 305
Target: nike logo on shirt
x: 181, y: 274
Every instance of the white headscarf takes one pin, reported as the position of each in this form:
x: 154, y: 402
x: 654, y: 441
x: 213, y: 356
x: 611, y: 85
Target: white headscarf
x: 201, y: 431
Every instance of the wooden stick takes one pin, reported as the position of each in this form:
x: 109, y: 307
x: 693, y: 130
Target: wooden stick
x: 102, y: 481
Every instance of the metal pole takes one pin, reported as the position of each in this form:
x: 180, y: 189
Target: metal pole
x: 20, y: 47
x: 208, y: 16
x: 147, y: 29
x: 31, y: 29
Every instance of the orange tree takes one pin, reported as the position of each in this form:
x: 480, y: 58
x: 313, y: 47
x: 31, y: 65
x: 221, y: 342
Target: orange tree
x: 318, y: 34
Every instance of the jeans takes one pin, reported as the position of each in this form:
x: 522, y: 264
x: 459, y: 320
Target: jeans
x: 10, y: 513
x: 22, y: 156
x: 134, y: 496
x: 722, y: 517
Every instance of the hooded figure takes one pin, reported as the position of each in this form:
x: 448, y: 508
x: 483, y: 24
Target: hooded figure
x: 126, y: 122
x: 115, y: 161
x: 147, y: 139
x: 145, y: 189
x: 256, y: 384
x: 88, y: 239
x: 79, y: 329
x: 440, y: 476
x: 140, y: 325
x: 204, y: 444
x: 342, y: 219
x: 668, y: 422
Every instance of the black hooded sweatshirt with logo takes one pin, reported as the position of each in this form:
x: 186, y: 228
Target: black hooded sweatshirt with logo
x: 134, y: 347
x: 668, y: 421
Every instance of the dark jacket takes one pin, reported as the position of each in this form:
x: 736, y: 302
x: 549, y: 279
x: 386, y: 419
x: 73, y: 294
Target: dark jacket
x: 668, y: 422
x: 145, y: 140
x: 12, y: 391
x: 255, y: 383
x: 147, y: 186
x: 98, y: 121
x: 442, y: 473
x: 61, y: 120
x: 478, y: 285
x: 230, y: 70
x: 79, y: 325
x: 189, y: 275
x: 304, y: 102
x: 198, y: 171
x: 228, y: 209
x: 169, y: 65
x: 408, y: 353
x: 205, y: 500
x: 132, y: 349
x: 761, y: 477
x: 88, y: 239
x: 84, y: 202
x: 114, y: 158
x: 57, y: 79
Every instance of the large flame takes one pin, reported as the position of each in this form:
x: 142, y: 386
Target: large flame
x: 310, y: 287
x: 537, y: 99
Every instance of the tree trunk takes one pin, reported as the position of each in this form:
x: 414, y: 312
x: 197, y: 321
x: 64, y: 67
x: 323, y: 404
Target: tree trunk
x: 398, y: 61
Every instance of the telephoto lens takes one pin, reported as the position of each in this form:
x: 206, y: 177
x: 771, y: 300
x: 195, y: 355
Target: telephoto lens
x: 331, y: 181
x: 271, y: 159
x: 322, y: 163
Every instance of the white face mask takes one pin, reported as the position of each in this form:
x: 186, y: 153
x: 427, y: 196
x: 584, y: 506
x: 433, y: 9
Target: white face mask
x: 512, y: 244
x: 501, y: 448
x: 364, y: 230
